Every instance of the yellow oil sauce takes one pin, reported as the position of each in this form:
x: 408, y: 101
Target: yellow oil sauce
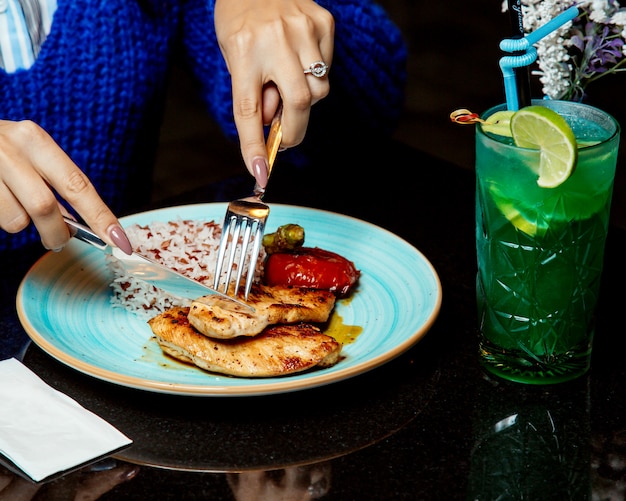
x: 342, y: 333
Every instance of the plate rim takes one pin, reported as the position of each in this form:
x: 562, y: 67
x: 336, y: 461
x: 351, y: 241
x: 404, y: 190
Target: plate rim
x: 273, y: 385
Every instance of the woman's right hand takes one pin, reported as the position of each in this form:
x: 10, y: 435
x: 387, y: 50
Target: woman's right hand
x: 32, y: 168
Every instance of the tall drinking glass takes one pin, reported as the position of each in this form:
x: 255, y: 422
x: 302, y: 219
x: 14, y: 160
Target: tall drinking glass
x: 540, y: 250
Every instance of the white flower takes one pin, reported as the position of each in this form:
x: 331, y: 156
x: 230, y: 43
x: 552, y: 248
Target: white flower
x: 579, y: 52
x: 598, y: 10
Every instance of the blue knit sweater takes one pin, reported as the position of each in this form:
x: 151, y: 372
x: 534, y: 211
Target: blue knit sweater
x: 98, y: 85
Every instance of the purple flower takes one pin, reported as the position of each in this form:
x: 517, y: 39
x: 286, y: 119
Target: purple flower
x: 606, y: 51
x: 595, y: 51
x: 594, y: 45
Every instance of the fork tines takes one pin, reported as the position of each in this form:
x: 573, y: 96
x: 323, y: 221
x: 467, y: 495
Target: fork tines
x: 242, y: 238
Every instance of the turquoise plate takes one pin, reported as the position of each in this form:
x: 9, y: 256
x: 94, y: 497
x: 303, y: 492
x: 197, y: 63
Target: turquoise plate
x: 64, y: 305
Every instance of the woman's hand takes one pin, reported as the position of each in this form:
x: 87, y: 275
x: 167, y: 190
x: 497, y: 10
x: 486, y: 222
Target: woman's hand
x: 32, y: 168
x: 267, y: 45
x: 295, y: 483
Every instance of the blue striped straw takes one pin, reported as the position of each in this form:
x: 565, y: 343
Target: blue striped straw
x: 529, y: 53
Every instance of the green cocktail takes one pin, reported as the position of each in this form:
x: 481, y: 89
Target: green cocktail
x: 540, y: 250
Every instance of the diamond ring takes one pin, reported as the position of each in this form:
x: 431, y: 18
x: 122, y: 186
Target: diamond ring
x: 317, y: 69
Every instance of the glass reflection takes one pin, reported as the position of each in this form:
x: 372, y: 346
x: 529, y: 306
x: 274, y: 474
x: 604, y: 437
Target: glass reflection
x: 531, y: 442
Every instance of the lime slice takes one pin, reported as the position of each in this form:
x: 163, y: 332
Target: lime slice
x: 543, y: 129
x: 515, y: 215
x: 518, y: 220
x: 499, y: 123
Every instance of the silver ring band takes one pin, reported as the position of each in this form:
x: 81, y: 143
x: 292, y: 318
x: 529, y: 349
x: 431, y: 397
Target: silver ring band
x: 318, y: 69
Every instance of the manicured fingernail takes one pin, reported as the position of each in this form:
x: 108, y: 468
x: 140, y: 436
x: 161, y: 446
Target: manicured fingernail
x: 119, y: 238
x: 261, y: 171
x: 128, y: 473
x: 56, y: 249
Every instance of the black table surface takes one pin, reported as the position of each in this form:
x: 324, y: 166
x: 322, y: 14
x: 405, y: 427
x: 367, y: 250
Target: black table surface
x: 427, y: 425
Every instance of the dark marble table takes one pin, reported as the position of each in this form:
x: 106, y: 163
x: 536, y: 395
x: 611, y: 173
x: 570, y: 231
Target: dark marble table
x: 427, y: 425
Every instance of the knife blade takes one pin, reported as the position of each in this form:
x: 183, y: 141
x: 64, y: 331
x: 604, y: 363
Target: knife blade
x: 148, y: 270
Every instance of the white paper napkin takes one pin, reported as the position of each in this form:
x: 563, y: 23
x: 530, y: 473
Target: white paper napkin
x: 43, y: 431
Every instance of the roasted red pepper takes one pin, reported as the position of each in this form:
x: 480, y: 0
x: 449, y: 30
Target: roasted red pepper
x: 311, y: 267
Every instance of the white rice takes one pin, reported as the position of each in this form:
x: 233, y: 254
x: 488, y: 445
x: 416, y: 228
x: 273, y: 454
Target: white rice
x: 186, y: 246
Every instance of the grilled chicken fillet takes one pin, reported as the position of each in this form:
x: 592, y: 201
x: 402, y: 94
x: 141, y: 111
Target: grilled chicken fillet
x: 278, y: 350
x: 222, y: 319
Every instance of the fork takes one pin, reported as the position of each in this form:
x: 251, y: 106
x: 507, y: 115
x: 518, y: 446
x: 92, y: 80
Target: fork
x: 245, y: 218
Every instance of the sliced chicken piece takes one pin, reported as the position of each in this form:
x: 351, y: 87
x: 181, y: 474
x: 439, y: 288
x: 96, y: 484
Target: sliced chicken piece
x: 277, y: 351
x: 222, y: 319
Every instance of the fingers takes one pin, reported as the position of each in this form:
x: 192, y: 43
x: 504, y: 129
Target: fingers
x: 247, y: 485
x: 270, y: 101
x: 95, y: 485
x: 320, y: 86
x: 267, y: 46
x: 18, y: 489
x: 24, y: 193
x: 32, y: 168
x: 306, y: 482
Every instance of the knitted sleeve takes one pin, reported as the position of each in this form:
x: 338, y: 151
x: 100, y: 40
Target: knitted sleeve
x: 369, y: 61
x: 367, y: 77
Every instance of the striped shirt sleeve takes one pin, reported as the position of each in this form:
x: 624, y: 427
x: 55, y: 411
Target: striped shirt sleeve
x: 24, y: 26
